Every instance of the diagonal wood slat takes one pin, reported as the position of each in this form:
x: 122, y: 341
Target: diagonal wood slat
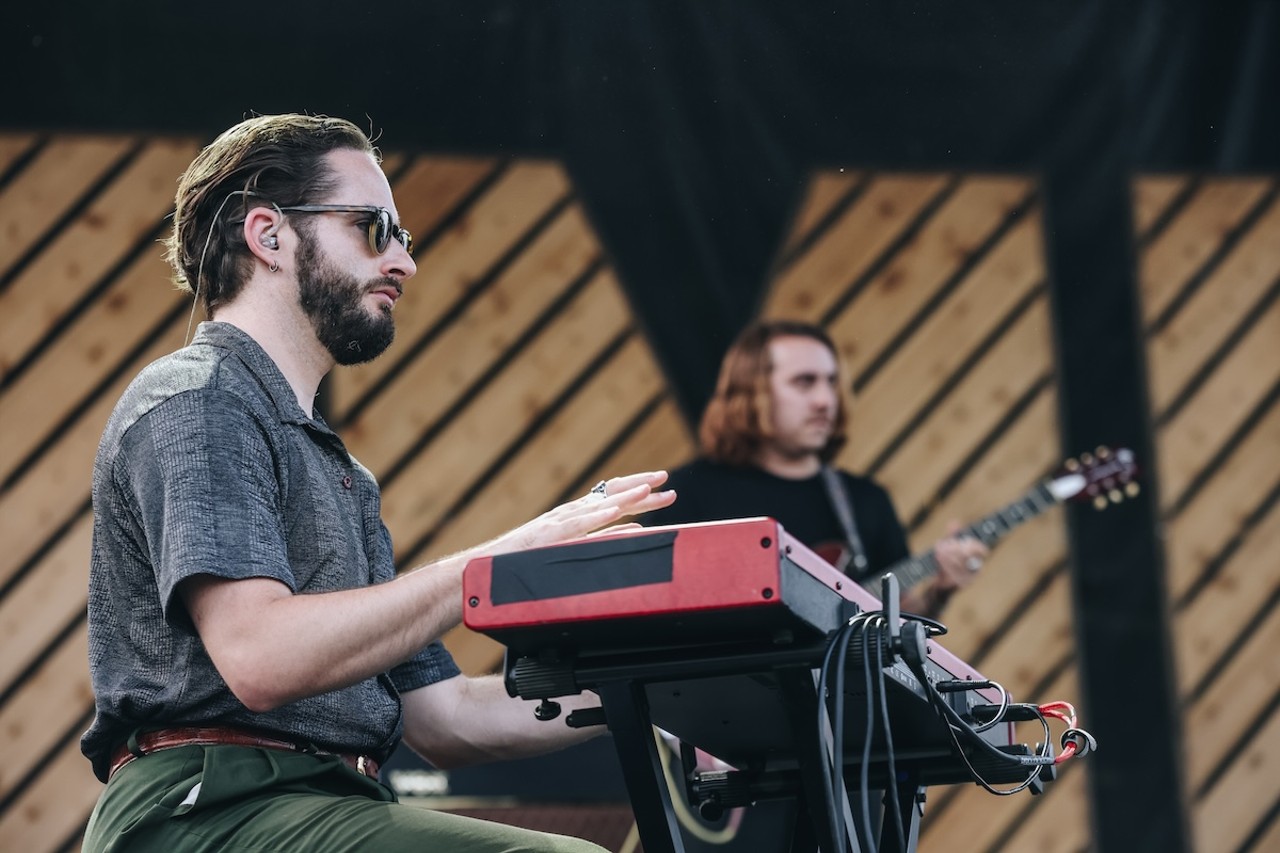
x: 944, y: 340
x: 1192, y: 238
x: 52, y: 492
x: 434, y: 187
x: 1152, y: 196
x: 1017, y: 564
x: 1058, y: 825
x: 1241, y: 692
x: 1211, y: 623
x: 55, y: 805
x: 1041, y: 636
x: 13, y: 147
x: 450, y: 267
x: 48, y: 705
x: 552, y: 460
x: 661, y: 442
x: 1189, y: 441
x: 1269, y: 839
x: 547, y: 465
x: 822, y: 195
x: 1206, y: 323
x: 1023, y: 458
x: 48, y: 186
x: 45, y: 601
x: 1222, y: 820
x: 421, y: 393
x: 895, y: 295
x: 129, y: 209
x: 968, y: 414
x: 1236, y: 489
x: 844, y: 252
x: 96, y: 343
x: 435, y: 479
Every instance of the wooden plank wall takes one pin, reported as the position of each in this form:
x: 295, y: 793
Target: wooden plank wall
x: 519, y: 378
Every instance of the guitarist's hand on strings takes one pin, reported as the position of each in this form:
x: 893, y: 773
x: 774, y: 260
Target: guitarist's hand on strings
x: 959, y: 558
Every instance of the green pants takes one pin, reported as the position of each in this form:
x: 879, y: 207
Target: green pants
x: 232, y: 798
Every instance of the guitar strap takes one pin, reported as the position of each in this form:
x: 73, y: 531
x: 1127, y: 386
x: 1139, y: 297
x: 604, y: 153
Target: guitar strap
x: 857, y: 556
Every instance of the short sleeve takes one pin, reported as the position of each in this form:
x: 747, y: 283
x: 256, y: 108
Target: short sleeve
x: 201, y: 475
x: 432, y: 664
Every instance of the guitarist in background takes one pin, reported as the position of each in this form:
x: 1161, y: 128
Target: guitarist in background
x: 774, y: 424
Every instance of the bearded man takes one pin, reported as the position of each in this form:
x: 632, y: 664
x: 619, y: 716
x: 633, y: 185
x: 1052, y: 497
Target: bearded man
x: 253, y: 653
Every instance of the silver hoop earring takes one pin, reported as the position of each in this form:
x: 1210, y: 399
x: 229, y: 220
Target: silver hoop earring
x: 275, y: 267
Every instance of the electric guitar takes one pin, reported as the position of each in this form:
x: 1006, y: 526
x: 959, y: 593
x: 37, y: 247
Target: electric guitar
x: 1103, y: 478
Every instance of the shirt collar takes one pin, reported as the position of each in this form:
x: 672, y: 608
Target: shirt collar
x: 264, y: 369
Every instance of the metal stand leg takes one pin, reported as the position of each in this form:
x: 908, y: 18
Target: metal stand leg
x: 812, y: 748
x: 911, y: 804
x: 627, y: 711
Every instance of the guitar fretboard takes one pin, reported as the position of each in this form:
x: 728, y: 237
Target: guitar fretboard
x: 989, y: 530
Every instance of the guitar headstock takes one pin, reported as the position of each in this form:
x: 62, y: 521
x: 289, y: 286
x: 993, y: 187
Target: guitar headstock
x: 1103, y: 477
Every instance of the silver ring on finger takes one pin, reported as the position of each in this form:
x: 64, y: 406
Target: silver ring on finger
x: 599, y: 491
x: 973, y: 564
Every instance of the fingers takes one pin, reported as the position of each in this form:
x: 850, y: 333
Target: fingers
x: 635, y: 494
x: 617, y: 528
x: 621, y: 497
x: 652, y: 479
x: 582, y: 516
x: 959, y: 560
x: 646, y: 500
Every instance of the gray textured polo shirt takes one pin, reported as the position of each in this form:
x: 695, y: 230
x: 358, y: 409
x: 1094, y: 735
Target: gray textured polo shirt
x: 209, y: 466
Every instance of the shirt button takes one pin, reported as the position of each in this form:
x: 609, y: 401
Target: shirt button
x: 346, y: 482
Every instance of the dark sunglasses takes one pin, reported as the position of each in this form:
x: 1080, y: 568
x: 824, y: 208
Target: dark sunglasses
x: 381, y: 228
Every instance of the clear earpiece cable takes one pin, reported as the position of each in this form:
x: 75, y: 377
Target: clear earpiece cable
x: 186, y: 338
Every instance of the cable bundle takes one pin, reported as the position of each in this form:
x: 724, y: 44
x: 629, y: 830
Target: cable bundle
x: 875, y: 639
x: 870, y: 632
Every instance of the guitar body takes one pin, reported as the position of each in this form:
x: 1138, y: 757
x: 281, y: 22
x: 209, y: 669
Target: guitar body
x: 835, y: 554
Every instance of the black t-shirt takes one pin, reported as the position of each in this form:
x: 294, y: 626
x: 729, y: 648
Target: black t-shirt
x: 710, y: 491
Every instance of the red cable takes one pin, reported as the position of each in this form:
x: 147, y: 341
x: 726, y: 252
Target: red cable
x: 1067, y: 713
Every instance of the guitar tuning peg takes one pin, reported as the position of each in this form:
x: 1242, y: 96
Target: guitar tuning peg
x: 1100, y: 502
x: 1086, y: 458
x: 1115, y: 496
x: 1072, y: 465
x: 1103, y: 451
x: 1132, y: 489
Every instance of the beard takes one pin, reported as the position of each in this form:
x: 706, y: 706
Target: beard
x: 333, y: 302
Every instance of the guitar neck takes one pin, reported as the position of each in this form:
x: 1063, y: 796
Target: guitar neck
x: 989, y: 530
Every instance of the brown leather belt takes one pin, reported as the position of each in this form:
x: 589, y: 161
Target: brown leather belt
x: 148, y: 742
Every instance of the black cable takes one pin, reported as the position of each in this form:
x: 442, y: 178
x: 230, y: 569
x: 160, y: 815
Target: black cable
x: 895, y: 803
x: 828, y: 788
x: 991, y: 789
x: 837, y: 727
x: 864, y: 772
x: 960, y: 725
x: 1004, y: 708
x: 957, y: 725
x: 861, y: 827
